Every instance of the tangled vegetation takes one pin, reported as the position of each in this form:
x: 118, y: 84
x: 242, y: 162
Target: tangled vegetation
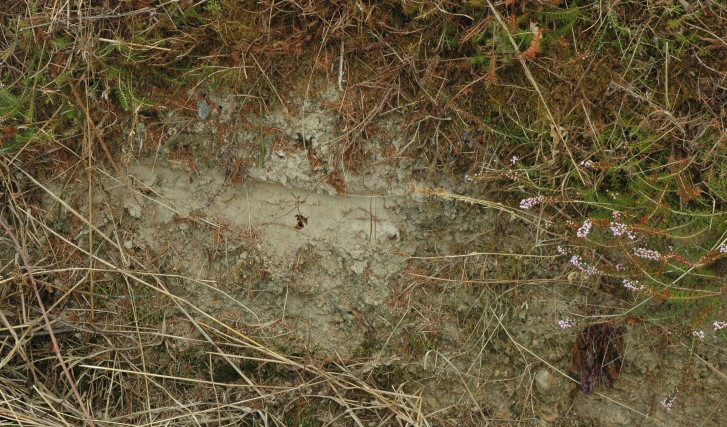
x: 601, y: 124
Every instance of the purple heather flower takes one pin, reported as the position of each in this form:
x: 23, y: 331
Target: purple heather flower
x: 585, y: 229
x: 620, y: 229
x: 577, y: 261
x: 631, y: 284
x: 531, y: 202
x: 667, y: 402
x: 647, y: 254
x: 566, y: 323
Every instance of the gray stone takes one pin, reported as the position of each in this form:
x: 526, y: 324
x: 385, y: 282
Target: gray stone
x: 545, y: 381
x: 203, y: 109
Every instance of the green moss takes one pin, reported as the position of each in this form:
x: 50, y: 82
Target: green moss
x: 561, y: 21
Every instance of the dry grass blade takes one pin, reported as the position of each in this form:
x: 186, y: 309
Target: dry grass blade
x: 44, y: 313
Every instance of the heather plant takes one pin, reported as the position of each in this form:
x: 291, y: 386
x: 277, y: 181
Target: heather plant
x: 659, y: 247
x: 657, y: 240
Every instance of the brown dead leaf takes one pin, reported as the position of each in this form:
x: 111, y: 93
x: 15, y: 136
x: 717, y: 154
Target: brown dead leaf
x: 597, y: 356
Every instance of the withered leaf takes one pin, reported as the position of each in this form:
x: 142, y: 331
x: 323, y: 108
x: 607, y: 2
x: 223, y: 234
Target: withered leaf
x: 597, y: 356
x: 302, y: 221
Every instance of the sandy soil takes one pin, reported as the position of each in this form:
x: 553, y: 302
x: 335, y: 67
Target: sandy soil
x: 376, y: 272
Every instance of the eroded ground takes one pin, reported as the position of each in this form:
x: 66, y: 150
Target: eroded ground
x: 450, y: 301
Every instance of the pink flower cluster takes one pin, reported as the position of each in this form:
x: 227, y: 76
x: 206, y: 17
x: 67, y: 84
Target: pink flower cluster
x: 577, y: 261
x: 512, y: 174
x: 587, y: 163
x: 723, y: 247
x: 698, y: 334
x: 620, y: 229
x: 631, y: 284
x: 585, y: 229
x: 667, y: 402
x: 566, y: 323
x: 719, y: 325
x: 531, y: 202
x: 647, y: 254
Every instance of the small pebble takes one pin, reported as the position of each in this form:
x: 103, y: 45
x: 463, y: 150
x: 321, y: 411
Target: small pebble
x: 203, y: 109
x: 544, y: 381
